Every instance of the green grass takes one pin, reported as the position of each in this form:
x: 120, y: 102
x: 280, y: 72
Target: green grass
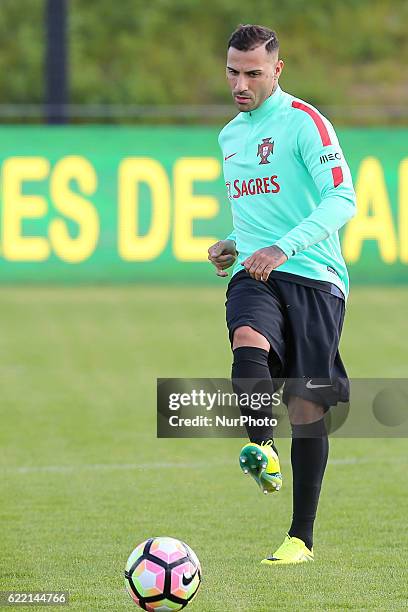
x: 84, y: 479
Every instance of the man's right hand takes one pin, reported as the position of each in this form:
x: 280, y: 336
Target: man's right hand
x: 223, y: 255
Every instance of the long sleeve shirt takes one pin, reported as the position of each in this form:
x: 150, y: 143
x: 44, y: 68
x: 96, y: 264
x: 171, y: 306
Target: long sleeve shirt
x: 290, y: 186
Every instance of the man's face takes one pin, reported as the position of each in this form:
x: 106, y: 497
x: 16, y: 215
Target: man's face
x: 251, y: 76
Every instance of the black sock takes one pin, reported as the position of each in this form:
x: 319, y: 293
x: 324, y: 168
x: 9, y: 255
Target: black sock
x: 309, y: 459
x: 252, y: 362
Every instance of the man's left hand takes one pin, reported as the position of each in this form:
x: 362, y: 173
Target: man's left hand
x: 262, y: 262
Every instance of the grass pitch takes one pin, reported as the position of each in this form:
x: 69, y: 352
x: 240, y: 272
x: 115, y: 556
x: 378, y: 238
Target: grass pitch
x: 84, y: 479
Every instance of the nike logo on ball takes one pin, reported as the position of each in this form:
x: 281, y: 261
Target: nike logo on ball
x: 310, y: 385
x: 187, y: 580
x: 228, y: 156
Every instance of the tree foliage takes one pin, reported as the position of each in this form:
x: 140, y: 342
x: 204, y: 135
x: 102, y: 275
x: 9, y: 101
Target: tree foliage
x: 343, y: 52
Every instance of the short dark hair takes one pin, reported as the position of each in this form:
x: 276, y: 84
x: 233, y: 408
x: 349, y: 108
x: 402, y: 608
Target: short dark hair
x: 248, y: 37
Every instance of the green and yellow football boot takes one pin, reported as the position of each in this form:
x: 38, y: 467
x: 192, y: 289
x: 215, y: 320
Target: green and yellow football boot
x: 261, y: 461
x: 293, y: 550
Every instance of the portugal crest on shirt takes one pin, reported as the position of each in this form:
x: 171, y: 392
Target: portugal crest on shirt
x: 264, y: 150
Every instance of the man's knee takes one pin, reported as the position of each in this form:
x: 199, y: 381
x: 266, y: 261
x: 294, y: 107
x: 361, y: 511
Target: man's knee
x: 302, y: 411
x: 246, y: 336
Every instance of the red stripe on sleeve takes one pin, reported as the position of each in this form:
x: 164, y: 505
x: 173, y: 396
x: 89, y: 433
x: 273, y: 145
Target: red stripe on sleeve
x: 337, y: 176
x: 324, y: 134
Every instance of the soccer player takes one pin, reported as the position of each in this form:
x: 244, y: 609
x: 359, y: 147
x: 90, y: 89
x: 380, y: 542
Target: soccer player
x: 290, y: 191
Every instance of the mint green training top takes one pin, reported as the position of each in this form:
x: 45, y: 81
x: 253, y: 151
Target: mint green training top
x: 289, y: 185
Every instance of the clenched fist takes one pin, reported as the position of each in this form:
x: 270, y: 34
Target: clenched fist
x: 223, y: 255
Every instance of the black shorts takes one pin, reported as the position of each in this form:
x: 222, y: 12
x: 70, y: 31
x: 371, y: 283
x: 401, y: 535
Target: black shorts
x: 303, y: 325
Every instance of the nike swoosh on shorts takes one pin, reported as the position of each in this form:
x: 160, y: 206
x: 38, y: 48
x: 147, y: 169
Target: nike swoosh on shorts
x: 310, y: 385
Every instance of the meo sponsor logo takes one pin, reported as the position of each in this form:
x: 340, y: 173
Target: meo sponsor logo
x: 329, y: 157
x: 253, y: 186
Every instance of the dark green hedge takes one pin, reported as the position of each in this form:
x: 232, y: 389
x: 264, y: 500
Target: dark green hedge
x: 338, y: 52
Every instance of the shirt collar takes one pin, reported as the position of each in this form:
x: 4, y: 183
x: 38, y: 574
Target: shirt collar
x: 266, y: 107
